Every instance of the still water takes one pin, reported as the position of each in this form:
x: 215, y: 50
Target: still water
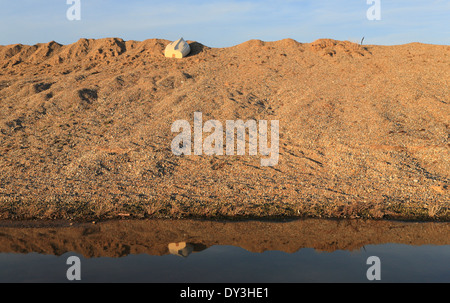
x: 199, y: 251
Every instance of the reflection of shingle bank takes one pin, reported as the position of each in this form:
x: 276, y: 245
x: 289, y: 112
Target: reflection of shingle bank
x: 125, y: 237
x: 184, y: 249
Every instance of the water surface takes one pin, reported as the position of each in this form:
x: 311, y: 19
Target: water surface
x: 208, y: 251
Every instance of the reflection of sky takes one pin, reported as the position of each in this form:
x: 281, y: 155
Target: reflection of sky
x: 399, y: 263
x: 219, y: 23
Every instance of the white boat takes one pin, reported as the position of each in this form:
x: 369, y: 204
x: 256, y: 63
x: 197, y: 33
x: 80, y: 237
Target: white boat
x: 177, y: 49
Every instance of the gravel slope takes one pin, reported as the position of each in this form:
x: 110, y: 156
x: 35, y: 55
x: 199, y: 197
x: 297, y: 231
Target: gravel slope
x: 85, y: 130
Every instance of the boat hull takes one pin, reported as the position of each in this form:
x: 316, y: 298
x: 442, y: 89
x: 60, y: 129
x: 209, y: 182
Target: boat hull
x: 177, y: 49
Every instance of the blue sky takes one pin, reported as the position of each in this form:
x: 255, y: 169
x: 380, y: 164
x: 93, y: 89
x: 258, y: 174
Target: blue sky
x: 219, y: 23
